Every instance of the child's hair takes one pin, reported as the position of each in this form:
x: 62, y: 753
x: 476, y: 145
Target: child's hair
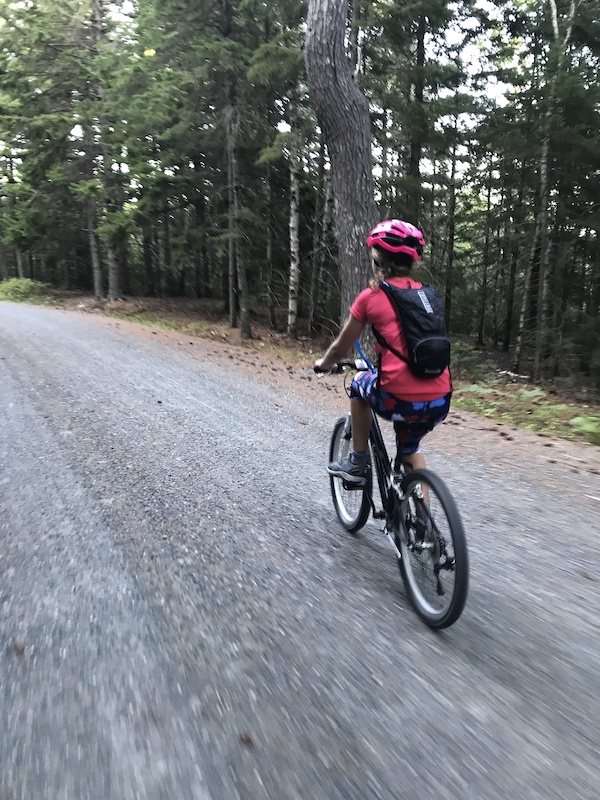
x: 391, y: 265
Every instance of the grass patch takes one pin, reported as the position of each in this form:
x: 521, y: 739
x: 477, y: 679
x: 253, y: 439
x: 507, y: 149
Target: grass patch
x: 21, y: 290
x: 531, y: 408
x: 589, y: 427
x: 188, y: 323
x: 201, y: 328
x: 149, y: 319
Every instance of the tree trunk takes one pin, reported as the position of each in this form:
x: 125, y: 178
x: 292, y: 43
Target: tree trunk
x: 343, y: 114
x: 450, y: 236
x: 540, y: 319
x: 205, y: 266
x: 486, y: 258
x: 114, y: 273
x: 384, y: 206
x: 526, y: 292
x: 321, y: 293
x: 3, y: 263
x: 91, y: 210
x: 294, y: 226
x: 496, y: 293
x: 164, y: 249
x: 20, y: 265
x: 433, y: 240
x: 200, y: 255
x: 180, y: 273
x: 514, y: 261
x: 148, y: 259
x: 238, y: 279
x: 123, y: 253
x: 242, y: 276
x: 231, y: 214
x: 268, y: 274
x: 353, y: 41
x: 115, y: 291
x: 225, y: 282
x: 592, y: 306
x: 316, y: 237
x: 63, y: 272
x: 94, y: 248
x: 499, y: 289
x: 563, y: 268
x: 418, y: 124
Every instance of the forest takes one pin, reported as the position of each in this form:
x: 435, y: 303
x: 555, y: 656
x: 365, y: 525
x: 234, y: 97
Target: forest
x: 171, y: 148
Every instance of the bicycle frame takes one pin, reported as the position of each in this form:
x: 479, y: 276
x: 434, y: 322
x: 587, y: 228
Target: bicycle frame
x: 389, y: 488
x: 382, y: 466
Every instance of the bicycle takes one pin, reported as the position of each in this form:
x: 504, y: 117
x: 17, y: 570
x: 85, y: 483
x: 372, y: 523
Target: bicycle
x: 422, y: 522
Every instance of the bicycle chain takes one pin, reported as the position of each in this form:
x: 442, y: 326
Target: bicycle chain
x: 435, y: 584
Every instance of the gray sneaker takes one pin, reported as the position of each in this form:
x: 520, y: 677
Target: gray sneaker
x: 349, y: 472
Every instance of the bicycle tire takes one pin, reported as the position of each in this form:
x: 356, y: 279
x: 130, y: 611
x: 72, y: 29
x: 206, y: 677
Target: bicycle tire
x: 433, y: 525
x: 352, y: 506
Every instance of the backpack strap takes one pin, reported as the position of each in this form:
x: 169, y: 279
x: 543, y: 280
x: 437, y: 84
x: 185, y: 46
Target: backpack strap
x: 386, y: 290
x: 388, y: 346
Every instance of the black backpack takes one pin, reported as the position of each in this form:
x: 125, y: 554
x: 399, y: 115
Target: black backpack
x: 421, y: 315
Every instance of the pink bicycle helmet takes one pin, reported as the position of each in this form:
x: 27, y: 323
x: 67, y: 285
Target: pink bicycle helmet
x: 398, y: 236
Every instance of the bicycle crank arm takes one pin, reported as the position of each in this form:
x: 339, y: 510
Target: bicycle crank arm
x: 419, y: 547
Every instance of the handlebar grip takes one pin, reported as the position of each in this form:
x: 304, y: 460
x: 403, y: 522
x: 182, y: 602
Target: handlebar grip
x: 335, y: 371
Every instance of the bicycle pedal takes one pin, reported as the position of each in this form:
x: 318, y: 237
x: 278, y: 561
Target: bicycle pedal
x: 349, y: 487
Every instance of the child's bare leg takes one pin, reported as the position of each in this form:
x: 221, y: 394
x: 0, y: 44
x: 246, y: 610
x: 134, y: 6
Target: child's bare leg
x: 415, y: 461
x: 361, y: 424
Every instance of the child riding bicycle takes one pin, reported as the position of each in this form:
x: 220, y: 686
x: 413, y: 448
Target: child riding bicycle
x: 394, y: 391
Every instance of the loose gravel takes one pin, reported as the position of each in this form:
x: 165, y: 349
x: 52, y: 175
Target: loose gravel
x: 181, y: 615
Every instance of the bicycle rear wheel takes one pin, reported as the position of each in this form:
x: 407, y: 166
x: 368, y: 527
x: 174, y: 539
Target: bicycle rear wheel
x: 434, y: 564
x: 352, y: 505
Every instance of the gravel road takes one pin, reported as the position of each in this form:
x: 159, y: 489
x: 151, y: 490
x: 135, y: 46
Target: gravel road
x: 181, y: 616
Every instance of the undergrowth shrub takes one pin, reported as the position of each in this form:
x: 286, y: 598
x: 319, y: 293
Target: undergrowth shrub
x: 467, y: 363
x: 20, y: 289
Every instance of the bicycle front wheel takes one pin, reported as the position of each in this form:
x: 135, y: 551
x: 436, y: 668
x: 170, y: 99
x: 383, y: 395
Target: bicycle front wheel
x: 431, y: 539
x: 352, y: 504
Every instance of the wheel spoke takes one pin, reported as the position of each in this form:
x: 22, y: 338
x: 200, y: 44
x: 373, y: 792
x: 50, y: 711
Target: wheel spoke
x: 434, y: 558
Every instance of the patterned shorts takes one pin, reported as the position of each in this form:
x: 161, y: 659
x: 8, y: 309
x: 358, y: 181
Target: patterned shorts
x: 430, y: 412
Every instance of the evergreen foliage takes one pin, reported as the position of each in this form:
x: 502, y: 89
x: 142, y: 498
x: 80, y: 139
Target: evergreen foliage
x: 156, y: 148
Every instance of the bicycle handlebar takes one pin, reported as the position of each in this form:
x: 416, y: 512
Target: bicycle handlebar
x: 342, y: 366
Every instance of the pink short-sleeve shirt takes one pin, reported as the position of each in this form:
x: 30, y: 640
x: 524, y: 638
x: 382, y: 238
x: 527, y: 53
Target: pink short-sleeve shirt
x: 372, y: 306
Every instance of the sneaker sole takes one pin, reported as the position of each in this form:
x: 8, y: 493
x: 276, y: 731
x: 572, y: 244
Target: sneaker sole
x: 347, y: 477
